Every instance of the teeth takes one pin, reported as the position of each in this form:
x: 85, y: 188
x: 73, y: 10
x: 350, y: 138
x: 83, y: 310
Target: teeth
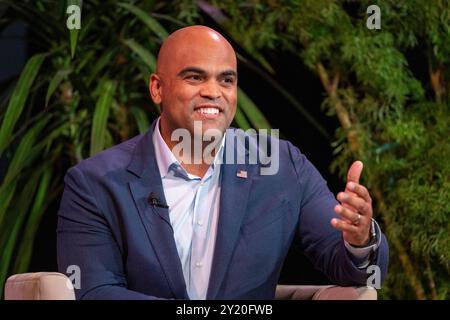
x: 208, y: 110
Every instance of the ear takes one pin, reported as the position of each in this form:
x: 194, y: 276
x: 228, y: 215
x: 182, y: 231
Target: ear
x: 154, y: 86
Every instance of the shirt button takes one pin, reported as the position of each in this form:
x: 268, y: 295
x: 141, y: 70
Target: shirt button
x: 200, y: 223
x: 202, y: 183
x: 198, y: 264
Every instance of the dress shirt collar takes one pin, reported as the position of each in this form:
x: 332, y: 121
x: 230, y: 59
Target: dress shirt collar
x: 165, y: 158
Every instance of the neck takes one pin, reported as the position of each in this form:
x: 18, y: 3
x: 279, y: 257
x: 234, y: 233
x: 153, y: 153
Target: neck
x: 191, y: 160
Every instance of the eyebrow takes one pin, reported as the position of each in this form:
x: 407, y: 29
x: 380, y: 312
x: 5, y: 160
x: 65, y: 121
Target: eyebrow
x: 203, y: 72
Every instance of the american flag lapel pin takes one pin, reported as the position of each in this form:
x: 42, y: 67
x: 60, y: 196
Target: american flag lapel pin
x: 242, y: 174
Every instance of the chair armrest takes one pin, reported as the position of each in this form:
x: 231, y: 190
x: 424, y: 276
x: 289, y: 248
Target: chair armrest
x: 39, y: 286
x: 300, y: 292
x: 56, y: 286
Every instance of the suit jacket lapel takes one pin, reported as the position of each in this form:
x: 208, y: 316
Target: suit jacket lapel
x: 156, y: 220
x: 233, y: 202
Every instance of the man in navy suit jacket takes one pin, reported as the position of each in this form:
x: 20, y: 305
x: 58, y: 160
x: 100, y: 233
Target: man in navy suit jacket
x: 128, y: 216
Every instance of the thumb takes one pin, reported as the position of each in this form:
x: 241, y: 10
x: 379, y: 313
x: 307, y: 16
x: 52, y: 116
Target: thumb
x: 354, y: 173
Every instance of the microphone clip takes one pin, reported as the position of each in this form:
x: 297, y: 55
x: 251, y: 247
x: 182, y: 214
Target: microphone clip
x: 154, y: 201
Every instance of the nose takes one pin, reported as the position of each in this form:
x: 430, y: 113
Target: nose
x: 210, y: 90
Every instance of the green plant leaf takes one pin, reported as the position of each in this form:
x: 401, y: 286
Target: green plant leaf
x: 100, y: 64
x: 48, y: 139
x: 10, y: 230
x: 143, y: 53
x: 214, y: 13
x: 18, y: 99
x: 6, y: 196
x: 257, y: 119
x: 27, y: 151
x: 141, y: 119
x: 99, y: 121
x: 22, y: 155
x: 149, y: 21
x: 84, y: 59
x: 54, y: 83
x: 240, y: 119
x: 42, y: 199
x: 20, y: 209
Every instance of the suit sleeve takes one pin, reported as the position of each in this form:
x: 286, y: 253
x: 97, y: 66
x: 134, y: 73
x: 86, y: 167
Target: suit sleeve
x: 84, y: 239
x: 322, y: 244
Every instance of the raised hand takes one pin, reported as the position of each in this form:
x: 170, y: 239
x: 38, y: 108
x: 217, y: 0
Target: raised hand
x: 355, y: 210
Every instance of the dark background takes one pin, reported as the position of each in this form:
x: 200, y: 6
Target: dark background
x: 290, y: 73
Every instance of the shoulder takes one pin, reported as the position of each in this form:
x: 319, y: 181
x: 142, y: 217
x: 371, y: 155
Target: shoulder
x: 114, y: 158
x: 258, y: 139
x: 263, y: 143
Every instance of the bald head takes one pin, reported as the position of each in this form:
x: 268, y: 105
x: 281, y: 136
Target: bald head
x: 186, y: 40
x: 195, y: 80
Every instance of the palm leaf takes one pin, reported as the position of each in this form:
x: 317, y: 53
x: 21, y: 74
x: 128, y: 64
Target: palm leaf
x: 11, y: 229
x: 48, y: 139
x: 252, y: 112
x: 22, y: 155
x: 6, y: 196
x: 141, y: 119
x: 98, y: 133
x: 54, y: 83
x: 215, y: 13
x: 19, y: 161
x: 240, y: 119
x: 149, y: 21
x: 143, y: 53
x: 84, y: 60
x: 41, y: 202
x: 100, y: 64
x: 18, y: 99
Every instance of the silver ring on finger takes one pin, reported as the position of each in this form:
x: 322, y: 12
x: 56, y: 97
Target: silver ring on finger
x: 357, y: 220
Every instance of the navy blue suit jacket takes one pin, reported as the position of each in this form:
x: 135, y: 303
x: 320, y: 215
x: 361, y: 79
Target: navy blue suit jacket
x: 125, y: 247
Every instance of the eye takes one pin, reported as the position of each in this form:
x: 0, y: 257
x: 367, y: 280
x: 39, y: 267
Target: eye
x: 194, y: 77
x: 228, y: 80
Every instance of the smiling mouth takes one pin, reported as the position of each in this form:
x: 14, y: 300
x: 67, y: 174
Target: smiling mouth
x: 211, y: 111
x: 208, y: 110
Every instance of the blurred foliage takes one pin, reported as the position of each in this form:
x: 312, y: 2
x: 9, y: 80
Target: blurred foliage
x: 394, y: 114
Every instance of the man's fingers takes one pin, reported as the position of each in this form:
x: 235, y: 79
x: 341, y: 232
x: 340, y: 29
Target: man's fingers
x: 351, y: 233
x: 346, y: 213
x: 343, y: 226
x: 354, y: 203
x: 359, y: 190
x: 354, y: 173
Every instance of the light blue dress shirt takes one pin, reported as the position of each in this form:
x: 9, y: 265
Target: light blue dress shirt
x: 193, y: 211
